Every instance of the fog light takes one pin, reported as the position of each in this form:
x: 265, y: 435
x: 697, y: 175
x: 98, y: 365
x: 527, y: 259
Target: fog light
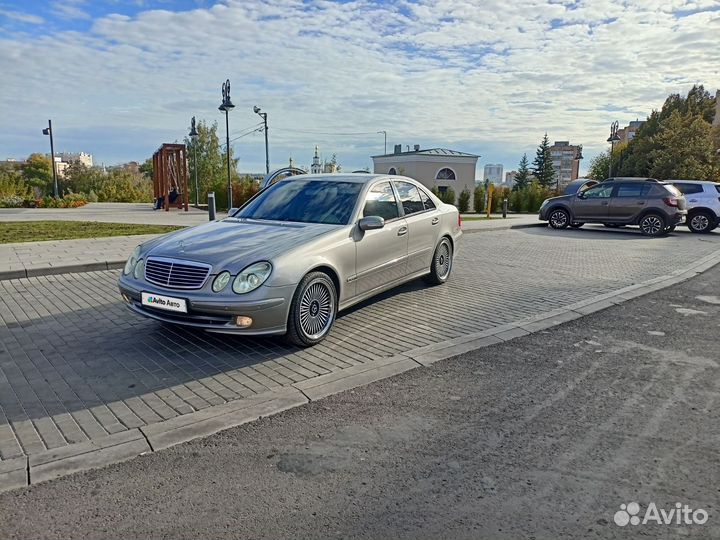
x: 242, y: 321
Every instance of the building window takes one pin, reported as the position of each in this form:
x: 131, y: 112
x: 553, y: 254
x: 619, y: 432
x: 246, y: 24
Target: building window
x: 392, y: 170
x: 445, y: 174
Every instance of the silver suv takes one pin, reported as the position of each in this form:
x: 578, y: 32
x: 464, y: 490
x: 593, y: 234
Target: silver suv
x: 703, y: 203
x: 656, y: 207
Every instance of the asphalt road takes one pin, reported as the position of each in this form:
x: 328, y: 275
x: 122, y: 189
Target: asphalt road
x: 542, y: 437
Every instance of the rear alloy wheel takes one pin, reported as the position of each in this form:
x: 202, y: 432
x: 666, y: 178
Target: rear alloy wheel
x: 312, y: 311
x: 441, y: 263
x: 576, y: 225
x: 559, y: 219
x: 652, y: 225
x: 700, y: 222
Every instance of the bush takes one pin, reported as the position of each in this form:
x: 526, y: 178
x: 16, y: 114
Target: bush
x: 479, y: 200
x: 92, y: 196
x: 71, y: 200
x: 13, y: 201
x: 464, y: 201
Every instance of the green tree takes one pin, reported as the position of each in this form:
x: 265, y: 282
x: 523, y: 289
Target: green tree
x: 522, y: 179
x: 37, y: 171
x: 542, y: 165
x: 599, y: 166
x: 80, y: 178
x: 479, y: 199
x: 464, y: 201
x: 685, y: 149
x: 211, y: 163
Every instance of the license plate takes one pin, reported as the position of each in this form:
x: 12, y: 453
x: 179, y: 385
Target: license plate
x: 164, y: 302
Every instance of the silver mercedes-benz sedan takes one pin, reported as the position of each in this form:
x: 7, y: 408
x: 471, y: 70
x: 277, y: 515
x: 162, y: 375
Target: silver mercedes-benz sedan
x: 294, y: 255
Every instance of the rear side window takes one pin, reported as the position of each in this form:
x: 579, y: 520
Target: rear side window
x: 689, y: 189
x: 427, y: 201
x: 636, y: 189
x: 409, y: 198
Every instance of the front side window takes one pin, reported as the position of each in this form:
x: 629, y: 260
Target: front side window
x: 304, y: 201
x: 445, y: 174
x: 409, y: 198
x: 381, y: 202
x: 598, y: 192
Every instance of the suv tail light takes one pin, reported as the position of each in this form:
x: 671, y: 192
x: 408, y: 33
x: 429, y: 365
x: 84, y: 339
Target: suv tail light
x: 671, y: 201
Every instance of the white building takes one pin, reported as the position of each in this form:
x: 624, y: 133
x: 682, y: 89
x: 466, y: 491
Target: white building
x: 493, y: 173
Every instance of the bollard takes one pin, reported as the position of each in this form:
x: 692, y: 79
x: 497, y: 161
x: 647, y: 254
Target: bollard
x: 211, y: 205
x: 505, y: 205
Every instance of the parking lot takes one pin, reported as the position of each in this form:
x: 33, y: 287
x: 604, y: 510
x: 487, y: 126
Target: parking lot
x: 76, y: 365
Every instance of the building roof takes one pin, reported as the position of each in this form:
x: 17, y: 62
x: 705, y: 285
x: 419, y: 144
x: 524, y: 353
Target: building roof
x: 444, y: 152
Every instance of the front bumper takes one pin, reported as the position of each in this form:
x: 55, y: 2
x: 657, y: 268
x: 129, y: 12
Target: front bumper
x: 267, y: 306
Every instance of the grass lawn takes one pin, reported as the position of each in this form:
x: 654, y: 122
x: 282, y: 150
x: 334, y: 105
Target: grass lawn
x: 35, y: 231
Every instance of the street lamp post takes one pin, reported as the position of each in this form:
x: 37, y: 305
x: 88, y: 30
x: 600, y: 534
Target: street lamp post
x: 48, y: 131
x: 385, y: 136
x: 263, y: 115
x: 612, y: 139
x: 226, y: 106
x: 194, y: 137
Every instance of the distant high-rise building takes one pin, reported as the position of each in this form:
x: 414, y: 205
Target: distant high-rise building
x: 493, y: 173
x: 510, y: 178
x: 566, y: 162
x: 83, y: 157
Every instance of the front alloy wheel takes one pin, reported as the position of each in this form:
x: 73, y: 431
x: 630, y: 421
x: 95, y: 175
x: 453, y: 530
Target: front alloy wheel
x: 559, y: 219
x: 312, y: 311
x: 652, y: 225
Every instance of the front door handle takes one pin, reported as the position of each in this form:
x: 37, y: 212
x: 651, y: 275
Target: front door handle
x: 435, y: 221
x: 693, y: 200
x: 402, y: 231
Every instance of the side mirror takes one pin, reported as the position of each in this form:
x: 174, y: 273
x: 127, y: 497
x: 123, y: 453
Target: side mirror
x: 371, y: 223
x: 581, y: 195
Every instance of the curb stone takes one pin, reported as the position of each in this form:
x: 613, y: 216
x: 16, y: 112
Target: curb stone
x: 24, y: 471
x: 63, y: 269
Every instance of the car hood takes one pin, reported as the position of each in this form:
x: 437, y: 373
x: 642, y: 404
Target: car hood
x: 560, y: 198
x: 232, y: 244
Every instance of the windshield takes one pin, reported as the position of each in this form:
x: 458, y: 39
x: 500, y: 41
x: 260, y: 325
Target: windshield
x: 305, y: 201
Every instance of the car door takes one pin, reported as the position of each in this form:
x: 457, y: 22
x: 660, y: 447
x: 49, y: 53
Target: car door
x: 593, y: 204
x: 628, y: 201
x: 423, y: 222
x: 381, y: 254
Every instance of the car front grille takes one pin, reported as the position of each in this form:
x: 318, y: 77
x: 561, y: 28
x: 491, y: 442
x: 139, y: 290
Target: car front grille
x: 176, y: 274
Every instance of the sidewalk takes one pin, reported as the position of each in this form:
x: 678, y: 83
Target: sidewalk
x: 28, y: 259
x: 138, y: 213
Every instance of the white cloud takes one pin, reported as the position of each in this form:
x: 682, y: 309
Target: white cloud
x: 492, y: 77
x: 22, y: 17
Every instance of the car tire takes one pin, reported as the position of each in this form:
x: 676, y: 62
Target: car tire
x: 441, y: 264
x: 559, y: 218
x: 312, y: 310
x: 576, y: 225
x: 652, y: 224
x: 700, y: 222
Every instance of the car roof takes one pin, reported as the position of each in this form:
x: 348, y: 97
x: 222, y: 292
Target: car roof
x: 673, y: 181
x: 631, y: 179
x: 360, y: 178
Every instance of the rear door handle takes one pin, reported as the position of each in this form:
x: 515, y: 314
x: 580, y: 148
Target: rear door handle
x: 402, y: 231
x: 435, y: 221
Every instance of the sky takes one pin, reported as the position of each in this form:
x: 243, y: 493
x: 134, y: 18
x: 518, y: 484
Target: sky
x: 489, y: 77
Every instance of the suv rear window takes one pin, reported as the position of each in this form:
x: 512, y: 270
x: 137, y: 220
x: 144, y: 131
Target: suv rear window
x: 689, y: 189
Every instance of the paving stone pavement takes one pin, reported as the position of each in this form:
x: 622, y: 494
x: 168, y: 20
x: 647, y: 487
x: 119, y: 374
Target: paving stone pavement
x: 76, y: 365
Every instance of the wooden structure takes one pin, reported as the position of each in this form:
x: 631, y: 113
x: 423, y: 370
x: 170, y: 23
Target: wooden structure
x: 170, y: 172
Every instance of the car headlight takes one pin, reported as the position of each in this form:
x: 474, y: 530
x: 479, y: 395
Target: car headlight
x: 139, y: 269
x: 252, y: 277
x: 221, y: 281
x: 132, y: 261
